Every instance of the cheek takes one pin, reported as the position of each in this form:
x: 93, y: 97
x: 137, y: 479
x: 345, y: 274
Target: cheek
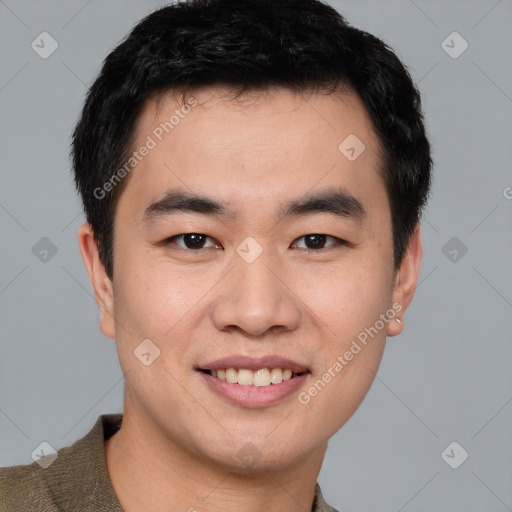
x: 348, y: 297
x: 348, y: 306
x: 149, y: 297
x: 159, y: 300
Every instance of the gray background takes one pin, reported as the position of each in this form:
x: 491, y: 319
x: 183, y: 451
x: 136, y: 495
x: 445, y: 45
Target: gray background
x: 446, y: 378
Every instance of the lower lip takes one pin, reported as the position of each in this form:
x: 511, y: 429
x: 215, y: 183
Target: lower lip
x: 254, y: 396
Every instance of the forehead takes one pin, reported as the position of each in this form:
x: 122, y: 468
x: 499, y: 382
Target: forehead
x: 252, y: 151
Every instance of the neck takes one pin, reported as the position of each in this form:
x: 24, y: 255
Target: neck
x: 153, y: 473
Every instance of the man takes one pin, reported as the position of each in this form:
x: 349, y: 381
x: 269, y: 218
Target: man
x: 253, y: 175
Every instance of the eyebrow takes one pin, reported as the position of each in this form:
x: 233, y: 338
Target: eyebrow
x: 337, y: 201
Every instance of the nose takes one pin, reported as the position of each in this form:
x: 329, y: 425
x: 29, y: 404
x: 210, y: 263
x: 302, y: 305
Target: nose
x: 256, y: 297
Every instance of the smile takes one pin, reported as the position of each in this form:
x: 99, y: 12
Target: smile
x: 253, y: 389
x: 259, y: 378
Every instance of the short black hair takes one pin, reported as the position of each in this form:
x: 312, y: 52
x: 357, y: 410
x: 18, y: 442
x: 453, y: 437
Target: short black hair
x: 303, y: 45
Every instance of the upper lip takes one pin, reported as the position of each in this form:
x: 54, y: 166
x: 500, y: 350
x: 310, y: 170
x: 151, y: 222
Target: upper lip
x: 254, y: 363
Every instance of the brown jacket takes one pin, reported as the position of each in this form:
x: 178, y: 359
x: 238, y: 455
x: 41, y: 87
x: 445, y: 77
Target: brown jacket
x: 77, y: 480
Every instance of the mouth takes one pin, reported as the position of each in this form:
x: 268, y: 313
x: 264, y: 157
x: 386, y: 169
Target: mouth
x: 261, y: 377
x: 252, y: 382
x: 247, y: 388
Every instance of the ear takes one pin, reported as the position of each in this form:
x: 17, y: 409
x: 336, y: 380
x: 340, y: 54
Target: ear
x: 406, y: 281
x: 101, y: 283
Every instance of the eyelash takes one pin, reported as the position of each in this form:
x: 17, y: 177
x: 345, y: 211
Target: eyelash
x: 338, y: 242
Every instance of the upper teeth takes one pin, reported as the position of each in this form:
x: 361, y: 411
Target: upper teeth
x: 245, y: 377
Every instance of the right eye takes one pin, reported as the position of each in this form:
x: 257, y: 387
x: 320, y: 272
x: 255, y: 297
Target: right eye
x: 193, y: 241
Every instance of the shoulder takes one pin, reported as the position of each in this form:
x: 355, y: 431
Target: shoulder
x: 75, y: 478
x: 20, y: 485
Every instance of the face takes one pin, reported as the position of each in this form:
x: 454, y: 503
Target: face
x: 246, y: 233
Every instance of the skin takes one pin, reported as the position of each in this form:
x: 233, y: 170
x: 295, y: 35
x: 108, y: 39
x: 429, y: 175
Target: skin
x: 178, y: 444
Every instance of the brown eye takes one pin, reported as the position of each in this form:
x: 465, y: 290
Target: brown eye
x: 318, y: 241
x: 194, y: 240
x: 191, y: 241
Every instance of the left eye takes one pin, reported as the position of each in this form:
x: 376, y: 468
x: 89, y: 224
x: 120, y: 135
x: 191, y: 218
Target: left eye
x: 318, y: 241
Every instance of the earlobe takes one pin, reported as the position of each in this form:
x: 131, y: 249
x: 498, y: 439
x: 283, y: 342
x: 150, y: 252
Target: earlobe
x: 406, y: 281
x: 101, y: 283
